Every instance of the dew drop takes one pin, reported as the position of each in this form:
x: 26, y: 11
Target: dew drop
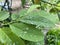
x: 27, y: 28
x: 25, y: 32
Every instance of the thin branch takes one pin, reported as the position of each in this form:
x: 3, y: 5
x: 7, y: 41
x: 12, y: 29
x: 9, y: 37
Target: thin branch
x: 50, y: 3
x: 10, y: 23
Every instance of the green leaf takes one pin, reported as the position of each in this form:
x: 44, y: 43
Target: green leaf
x: 9, y: 38
x: 40, y: 18
x: 14, y: 16
x: 33, y: 7
x: 3, y: 15
x: 4, y: 38
x: 27, y: 32
x: 23, y: 12
x: 51, y: 17
x: 58, y: 6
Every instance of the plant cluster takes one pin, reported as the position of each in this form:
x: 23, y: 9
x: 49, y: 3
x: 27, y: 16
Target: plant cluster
x: 53, y: 37
x: 28, y: 26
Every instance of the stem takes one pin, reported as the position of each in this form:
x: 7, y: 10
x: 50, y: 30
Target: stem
x: 49, y: 3
x: 2, y: 24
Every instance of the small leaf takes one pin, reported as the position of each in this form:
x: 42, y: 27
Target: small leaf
x: 40, y: 18
x: 27, y: 32
x: 3, y: 15
x: 33, y: 7
x: 14, y: 16
x: 58, y: 6
x: 9, y: 38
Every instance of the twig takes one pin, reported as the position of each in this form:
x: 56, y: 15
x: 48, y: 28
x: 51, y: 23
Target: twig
x: 50, y: 3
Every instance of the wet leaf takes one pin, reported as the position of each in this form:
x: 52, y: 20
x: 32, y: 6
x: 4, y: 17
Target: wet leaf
x: 40, y: 18
x: 27, y: 32
x: 9, y: 38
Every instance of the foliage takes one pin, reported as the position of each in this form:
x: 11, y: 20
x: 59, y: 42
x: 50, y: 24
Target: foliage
x: 27, y: 27
x: 53, y: 37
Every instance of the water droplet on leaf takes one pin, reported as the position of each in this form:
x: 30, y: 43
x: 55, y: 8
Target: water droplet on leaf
x: 25, y: 32
x: 27, y: 28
